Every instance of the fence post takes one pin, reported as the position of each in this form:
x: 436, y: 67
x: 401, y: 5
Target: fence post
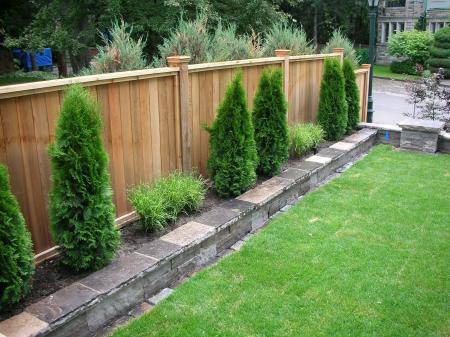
x: 285, y: 53
x: 183, y: 97
x: 339, y: 51
x: 366, y: 89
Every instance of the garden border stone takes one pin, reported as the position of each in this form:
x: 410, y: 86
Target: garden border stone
x: 83, y: 307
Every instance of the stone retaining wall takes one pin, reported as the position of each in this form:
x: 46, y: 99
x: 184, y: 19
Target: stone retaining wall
x: 85, y: 306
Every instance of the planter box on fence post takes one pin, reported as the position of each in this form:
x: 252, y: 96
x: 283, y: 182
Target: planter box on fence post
x: 183, y: 99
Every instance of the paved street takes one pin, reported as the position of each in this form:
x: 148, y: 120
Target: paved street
x: 389, y: 101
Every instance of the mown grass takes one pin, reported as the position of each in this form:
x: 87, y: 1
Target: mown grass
x: 365, y: 255
x: 385, y: 72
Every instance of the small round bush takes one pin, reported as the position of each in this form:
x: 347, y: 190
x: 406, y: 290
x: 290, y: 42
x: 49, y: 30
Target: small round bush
x: 332, y: 115
x: 351, y: 95
x: 81, y: 207
x: 232, y: 160
x: 403, y: 67
x: 270, y: 122
x: 16, y: 249
x: 162, y: 201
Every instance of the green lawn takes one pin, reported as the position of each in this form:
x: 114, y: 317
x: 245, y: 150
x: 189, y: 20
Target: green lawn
x: 8, y: 80
x: 368, y: 254
x: 385, y: 72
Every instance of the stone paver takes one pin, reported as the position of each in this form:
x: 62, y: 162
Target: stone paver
x: 294, y: 174
x: 62, y: 302
x: 159, y: 249
x: 218, y: 216
x: 154, y: 300
x: 188, y: 233
x: 118, y: 272
x: 266, y: 190
x: 319, y: 159
x: 22, y: 325
x: 421, y: 125
x: 343, y: 146
x: 360, y: 136
x: 308, y: 166
x: 330, y: 153
x: 239, y: 206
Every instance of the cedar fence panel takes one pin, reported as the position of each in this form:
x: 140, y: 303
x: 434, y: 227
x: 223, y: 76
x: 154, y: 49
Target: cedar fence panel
x: 143, y: 128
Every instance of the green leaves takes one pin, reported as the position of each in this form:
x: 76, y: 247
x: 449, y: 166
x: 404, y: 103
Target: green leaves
x: 161, y: 202
x: 16, y: 249
x: 304, y: 138
x: 332, y: 115
x: 233, y: 159
x: 414, y: 45
x: 81, y: 208
x: 270, y: 122
x: 351, y: 95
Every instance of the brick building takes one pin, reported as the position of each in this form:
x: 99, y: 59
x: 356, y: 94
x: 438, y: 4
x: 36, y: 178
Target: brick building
x: 398, y: 15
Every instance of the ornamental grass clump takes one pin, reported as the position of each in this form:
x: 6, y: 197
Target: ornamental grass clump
x: 339, y: 40
x: 270, y: 122
x: 351, y: 95
x: 233, y: 160
x: 164, y: 200
x: 81, y: 207
x: 285, y: 36
x: 304, y: 138
x: 332, y: 115
x: 16, y: 249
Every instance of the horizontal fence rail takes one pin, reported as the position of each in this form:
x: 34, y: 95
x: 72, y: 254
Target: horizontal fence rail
x: 152, y: 123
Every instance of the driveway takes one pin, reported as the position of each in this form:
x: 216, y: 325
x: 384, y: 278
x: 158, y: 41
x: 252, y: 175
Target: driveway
x: 390, y: 103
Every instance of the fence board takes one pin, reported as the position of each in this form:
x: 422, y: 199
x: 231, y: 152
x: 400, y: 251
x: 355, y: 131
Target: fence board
x: 141, y: 124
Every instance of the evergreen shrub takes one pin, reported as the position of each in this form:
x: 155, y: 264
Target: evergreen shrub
x: 162, y: 201
x: 304, y: 138
x: 332, y: 114
x: 16, y: 249
x: 81, y: 207
x: 351, y: 95
x: 233, y: 160
x: 403, y: 67
x: 270, y: 122
x: 440, y: 53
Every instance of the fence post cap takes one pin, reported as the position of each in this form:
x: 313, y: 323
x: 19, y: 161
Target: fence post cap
x: 173, y: 61
x: 282, y: 52
x: 338, y: 50
x: 365, y: 66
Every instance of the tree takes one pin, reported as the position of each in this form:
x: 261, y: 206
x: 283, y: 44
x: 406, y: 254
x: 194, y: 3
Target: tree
x: 421, y: 23
x: 332, y: 115
x: 16, y: 249
x: 351, y: 95
x: 81, y: 208
x: 270, y: 122
x: 233, y: 160
x: 414, y: 45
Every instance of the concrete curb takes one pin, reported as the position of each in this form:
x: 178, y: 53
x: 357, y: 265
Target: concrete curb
x: 85, y: 306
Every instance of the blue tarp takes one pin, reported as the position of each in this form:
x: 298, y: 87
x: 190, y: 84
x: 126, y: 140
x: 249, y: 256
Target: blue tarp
x: 42, y: 58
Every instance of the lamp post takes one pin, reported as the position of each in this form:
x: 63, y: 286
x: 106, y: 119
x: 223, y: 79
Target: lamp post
x: 373, y: 8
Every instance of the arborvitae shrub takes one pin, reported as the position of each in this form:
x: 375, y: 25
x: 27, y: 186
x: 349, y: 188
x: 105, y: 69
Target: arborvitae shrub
x: 270, y: 123
x: 81, y: 207
x: 232, y: 161
x: 16, y: 249
x: 440, y: 53
x: 351, y: 95
x: 332, y: 115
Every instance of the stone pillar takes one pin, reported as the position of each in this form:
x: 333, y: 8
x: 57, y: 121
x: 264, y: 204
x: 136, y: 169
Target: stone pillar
x: 339, y: 51
x: 285, y: 54
x: 420, y: 134
x: 383, y: 32
x: 391, y: 28
x: 183, y: 98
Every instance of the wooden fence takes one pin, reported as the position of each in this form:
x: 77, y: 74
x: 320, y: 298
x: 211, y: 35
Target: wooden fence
x: 151, y: 123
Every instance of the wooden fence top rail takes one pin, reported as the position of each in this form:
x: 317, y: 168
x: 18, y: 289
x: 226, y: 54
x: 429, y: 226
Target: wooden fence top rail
x: 362, y: 70
x: 23, y: 89
x: 233, y: 64
x: 312, y: 57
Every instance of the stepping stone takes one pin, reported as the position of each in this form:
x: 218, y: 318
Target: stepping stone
x: 160, y: 296
x: 22, y: 325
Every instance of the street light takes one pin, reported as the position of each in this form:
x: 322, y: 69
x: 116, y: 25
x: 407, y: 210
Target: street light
x: 373, y: 9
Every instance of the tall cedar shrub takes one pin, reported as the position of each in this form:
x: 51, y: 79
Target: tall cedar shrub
x: 440, y: 53
x: 16, y: 250
x: 270, y: 122
x: 351, y: 95
x: 233, y: 160
x: 332, y: 115
x: 81, y: 207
